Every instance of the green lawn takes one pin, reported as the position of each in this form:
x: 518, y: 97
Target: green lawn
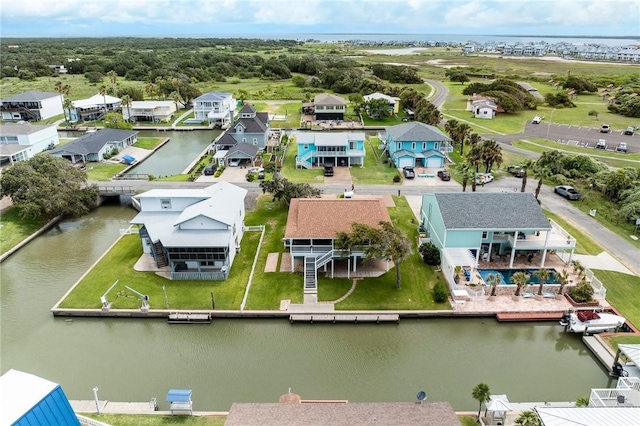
x: 375, y: 171
x: 14, y: 229
x: 292, y: 111
x: 621, y: 339
x: 103, y: 171
x: 148, y: 143
x: 623, y: 294
x: 156, y: 420
x: 584, y: 243
x: 299, y: 175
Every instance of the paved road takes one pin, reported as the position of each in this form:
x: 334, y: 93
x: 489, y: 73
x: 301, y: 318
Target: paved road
x: 441, y: 92
x: 626, y: 253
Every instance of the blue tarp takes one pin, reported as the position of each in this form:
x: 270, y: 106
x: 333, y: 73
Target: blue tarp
x: 179, y: 395
x: 128, y: 159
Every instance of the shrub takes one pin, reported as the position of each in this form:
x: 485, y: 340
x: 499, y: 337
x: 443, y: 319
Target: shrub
x: 430, y: 253
x: 440, y: 292
x: 251, y: 177
x: 396, y: 178
x: 582, y: 293
x: 270, y: 168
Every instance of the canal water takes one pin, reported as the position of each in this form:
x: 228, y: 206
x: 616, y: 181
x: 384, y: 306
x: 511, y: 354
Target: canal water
x: 176, y: 155
x: 248, y: 360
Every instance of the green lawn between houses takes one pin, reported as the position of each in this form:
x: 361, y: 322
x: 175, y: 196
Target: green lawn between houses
x: 267, y: 289
x: 14, y: 229
x: 156, y: 420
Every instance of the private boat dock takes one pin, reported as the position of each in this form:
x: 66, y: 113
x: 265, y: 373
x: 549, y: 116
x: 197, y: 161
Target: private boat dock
x: 334, y: 318
x: 529, y: 316
x: 188, y: 318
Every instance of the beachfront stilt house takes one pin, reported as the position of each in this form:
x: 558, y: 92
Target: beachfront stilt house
x: 312, y: 227
x: 415, y: 144
x: 215, y: 107
x: 470, y: 226
x: 331, y: 148
x: 196, y: 232
x: 31, y: 106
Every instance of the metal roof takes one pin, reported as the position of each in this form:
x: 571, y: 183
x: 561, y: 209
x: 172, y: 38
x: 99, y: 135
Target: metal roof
x: 329, y: 138
x: 632, y: 352
x: 414, y: 131
x: 19, y: 392
x: 589, y: 416
x: 213, y: 96
x: 23, y: 128
x: 491, y: 210
x: 30, y: 96
x: 95, y: 100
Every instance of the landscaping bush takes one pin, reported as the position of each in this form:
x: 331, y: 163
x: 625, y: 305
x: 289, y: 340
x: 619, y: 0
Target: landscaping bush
x: 430, y: 253
x: 582, y: 293
x: 270, y: 168
x: 397, y: 178
x: 251, y: 177
x: 440, y: 292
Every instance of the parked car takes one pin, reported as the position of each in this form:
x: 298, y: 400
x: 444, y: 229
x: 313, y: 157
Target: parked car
x: 601, y: 144
x: 209, y: 170
x: 630, y: 130
x: 328, y: 170
x: 567, y: 191
x: 605, y: 128
x: 444, y: 175
x: 408, y: 172
x: 234, y: 163
x: 516, y: 170
x: 536, y: 120
x: 622, y: 147
x: 482, y: 178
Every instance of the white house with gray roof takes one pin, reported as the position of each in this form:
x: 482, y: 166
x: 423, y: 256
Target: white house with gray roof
x: 417, y: 144
x: 21, y: 141
x: 215, y: 107
x: 195, y: 232
x: 31, y: 106
x: 95, y: 146
x: 469, y: 226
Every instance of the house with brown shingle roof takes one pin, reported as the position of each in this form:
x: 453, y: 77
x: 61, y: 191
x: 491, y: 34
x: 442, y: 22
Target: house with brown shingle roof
x: 328, y: 107
x: 312, y: 227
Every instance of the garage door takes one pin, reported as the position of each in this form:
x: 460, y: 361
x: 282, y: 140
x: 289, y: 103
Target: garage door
x: 405, y: 162
x: 434, y: 163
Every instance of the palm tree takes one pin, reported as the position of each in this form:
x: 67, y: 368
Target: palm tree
x: 563, y: 277
x: 520, y: 280
x: 528, y: 418
x: 543, y: 275
x: 525, y: 167
x: 64, y: 90
x: 540, y: 172
x: 474, y: 139
x: 450, y: 127
x: 462, y: 133
x: 493, y: 280
x: 113, y: 76
x: 103, y: 92
x: 481, y: 394
x: 150, y: 89
x: 464, y: 168
x: 491, y: 154
x: 474, y: 156
x: 67, y: 105
x: 126, y: 101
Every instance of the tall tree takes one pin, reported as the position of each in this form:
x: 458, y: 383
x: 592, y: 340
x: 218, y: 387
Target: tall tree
x: 481, y: 393
x: 474, y: 157
x: 526, y: 167
x: 563, y: 277
x: 151, y: 90
x: 46, y: 186
x: 491, y: 154
x: 113, y: 77
x: 388, y: 243
x: 494, y: 280
x: 474, y: 139
x: 103, y: 92
x: 126, y: 101
x: 282, y: 189
x: 543, y: 275
x: 520, y: 280
x: 462, y: 132
x: 528, y: 418
x: 540, y: 172
x: 63, y: 90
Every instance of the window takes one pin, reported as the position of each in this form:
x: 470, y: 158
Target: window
x: 399, y: 145
x: 485, y: 234
x: 305, y: 146
x: 255, y: 141
x: 424, y: 145
x: 413, y: 146
x: 244, y: 139
x: 165, y: 204
x: 435, y: 146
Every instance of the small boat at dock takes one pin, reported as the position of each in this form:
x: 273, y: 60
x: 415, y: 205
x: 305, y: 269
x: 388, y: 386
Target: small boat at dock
x: 590, y: 322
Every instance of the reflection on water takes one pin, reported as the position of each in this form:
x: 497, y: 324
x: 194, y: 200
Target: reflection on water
x: 257, y: 360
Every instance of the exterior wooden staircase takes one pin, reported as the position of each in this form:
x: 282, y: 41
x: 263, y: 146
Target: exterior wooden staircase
x: 161, y: 259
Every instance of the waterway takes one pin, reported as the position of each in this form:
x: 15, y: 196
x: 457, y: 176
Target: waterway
x: 176, y: 155
x: 258, y: 360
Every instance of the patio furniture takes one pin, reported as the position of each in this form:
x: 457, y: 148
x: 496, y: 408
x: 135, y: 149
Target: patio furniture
x: 549, y: 295
x: 527, y: 295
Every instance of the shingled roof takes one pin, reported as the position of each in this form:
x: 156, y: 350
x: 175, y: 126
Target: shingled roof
x: 324, y: 218
x: 328, y: 99
x: 30, y: 96
x: 414, y: 131
x: 92, y: 143
x: 491, y: 210
x: 343, y: 414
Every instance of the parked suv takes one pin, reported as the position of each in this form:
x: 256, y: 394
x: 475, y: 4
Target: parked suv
x: 605, y: 128
x: 630, y: 130
x: 444, y: 175
x: 209, y: 170
x: 328, y: 170
x: 622, y: 147
x: 408, y: 172
x: 601, y: 144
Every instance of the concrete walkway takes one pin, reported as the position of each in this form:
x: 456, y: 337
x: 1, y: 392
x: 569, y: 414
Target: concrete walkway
x: 602, y: 261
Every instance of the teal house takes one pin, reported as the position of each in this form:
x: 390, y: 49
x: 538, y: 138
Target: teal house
x: 330, y: 148
x: 469, y: 227
x: 415, y: 144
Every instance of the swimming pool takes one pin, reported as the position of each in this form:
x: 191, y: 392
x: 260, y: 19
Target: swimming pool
x: 506, y: 274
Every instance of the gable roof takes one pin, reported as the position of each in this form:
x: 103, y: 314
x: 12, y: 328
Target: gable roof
x: 213, y: 96
x: 488, y: 103
x: 342, y: 414
x: 249, y: 150
x: 378, y: 95
x: 328, y: 99
x: 248, y: 109
x: 252, y: 125
x: 329, y: 138
x: 226, y: 139
x: 324, y: 218
x: 31, y: 95
x: 219, y: 206
x: 416, y: 131
x: 491, y: 210
x: 19, y: 393
x: 150, y: 104
x: 96, y: 99
x: 93, y: 142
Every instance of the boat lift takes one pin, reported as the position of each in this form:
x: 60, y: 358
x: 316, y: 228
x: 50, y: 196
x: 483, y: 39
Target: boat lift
x: 106, y: 305
x: 143, y: 298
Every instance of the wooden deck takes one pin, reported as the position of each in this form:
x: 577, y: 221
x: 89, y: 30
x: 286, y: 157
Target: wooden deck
x: 344, y: 318
x: 529, y: 316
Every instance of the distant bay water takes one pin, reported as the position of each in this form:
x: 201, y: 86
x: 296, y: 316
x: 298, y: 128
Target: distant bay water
x: 455, y: 38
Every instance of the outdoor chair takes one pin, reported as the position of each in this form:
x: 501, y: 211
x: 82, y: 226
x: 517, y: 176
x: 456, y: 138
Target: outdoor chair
x: 549, y: 295
x: 527, y: 295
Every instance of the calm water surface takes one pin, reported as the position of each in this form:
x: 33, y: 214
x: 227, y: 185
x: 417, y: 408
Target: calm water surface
x: 258, y: 360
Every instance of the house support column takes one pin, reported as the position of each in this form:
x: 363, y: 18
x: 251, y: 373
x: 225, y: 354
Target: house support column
x: 513, y: 249
x: 544, y: 252
x: 332, y: 268
x: 348, y: 266
x: 570, y: 256
x: 386, y: 269
x: 355, y: 261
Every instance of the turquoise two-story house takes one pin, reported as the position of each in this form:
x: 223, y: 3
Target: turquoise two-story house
x: 330, y: 148
x: 415, y: 144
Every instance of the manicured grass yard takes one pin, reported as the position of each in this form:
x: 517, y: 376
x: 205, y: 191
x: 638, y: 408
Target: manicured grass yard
x: 14, y: 229
x: 623, y: 294
x: 103, y: 171
x: 148, y: 143
x: 300, y: 175
x: 155, y: 420
x: 375, y: 171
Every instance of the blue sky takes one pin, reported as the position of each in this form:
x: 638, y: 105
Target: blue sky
x: 212, y: 18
